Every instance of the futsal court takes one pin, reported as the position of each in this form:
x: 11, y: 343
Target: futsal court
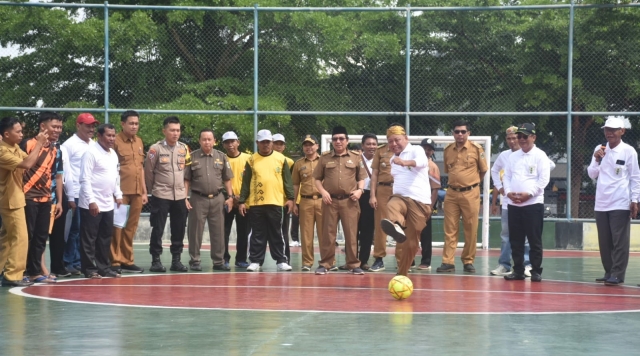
x: 276, y: 313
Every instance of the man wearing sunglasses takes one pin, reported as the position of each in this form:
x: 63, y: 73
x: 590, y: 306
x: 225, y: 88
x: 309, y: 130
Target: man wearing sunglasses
x: 466, y: 165
x: 339, y: 177
x: 525, y: 178
x: 615, y: 166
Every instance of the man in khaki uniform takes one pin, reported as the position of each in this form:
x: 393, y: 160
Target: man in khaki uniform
x: 164, y: 174
x: 130, y: 150
x: 310, y: 209
x: 208, y: 173
x: 466, y: 165
x: 14, y: 239
x: 339, y: 177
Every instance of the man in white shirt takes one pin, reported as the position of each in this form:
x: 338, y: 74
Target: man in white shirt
x: 365, y: 223
x: 525, y: 178
x: 410, y: 205
x: 615, y: 166
x: 75, y: 147
x: 98, y: 192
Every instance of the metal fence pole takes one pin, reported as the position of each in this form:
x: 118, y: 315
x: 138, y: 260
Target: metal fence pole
x: 106, y: 62
x: 407, y: 119
x: 569, y: 108
x: 255, y: 76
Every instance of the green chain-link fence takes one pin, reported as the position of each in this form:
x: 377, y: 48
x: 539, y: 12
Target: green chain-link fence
x: 494, y: 63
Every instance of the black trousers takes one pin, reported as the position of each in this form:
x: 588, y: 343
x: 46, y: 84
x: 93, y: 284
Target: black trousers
x: 426, y: 240
x: 95, y: 241
x: 38, y: 217
x: 266, y: 226
x: 365, y: 228
x: 526, y: 222
x: 158, y: 218
x: 286, y: 221
x: 56, y: 239
x: 242, y: 235
x: 295, y: 227
x: 614, y: 233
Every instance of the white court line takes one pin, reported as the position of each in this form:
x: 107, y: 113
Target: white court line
x: 19, y: 291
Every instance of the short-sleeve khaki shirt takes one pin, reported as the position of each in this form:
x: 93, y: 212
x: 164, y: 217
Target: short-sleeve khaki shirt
x: 11, y: 180
x: 340, y: 174
x: 208, y: 172
x: 382, y: 162
x: 131, y: 158
x: 302, y: 175
x: 464, y: 165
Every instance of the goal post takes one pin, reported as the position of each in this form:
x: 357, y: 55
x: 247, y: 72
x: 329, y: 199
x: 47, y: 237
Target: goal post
x: 484, y: 141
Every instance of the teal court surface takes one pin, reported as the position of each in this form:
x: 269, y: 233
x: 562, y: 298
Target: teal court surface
x: 280, y: 313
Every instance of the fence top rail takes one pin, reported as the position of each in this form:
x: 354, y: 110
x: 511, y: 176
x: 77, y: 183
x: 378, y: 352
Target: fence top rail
x: 318, y: 9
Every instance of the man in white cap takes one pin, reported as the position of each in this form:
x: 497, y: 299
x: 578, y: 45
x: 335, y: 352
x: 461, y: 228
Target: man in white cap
x: 237, y: 160
x: 615, y: 166
x: 266, y: 189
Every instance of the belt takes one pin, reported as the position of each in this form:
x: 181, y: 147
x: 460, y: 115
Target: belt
x: 310, y: 196
x: 389, y: 184
x: 465, y: 188
x: 340, y: 197
x: 210, y: 196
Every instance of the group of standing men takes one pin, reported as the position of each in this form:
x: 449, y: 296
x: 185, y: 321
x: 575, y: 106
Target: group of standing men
x: 384, y: 184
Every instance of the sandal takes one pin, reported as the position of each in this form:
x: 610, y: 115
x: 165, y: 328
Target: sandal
x: 53, y: 277
x: 94, y: 275
x: 42, y: 279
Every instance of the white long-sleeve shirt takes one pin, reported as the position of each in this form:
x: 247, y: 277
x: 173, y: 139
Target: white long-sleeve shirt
x: 497, y: 169
x: 527, y: 173
x: 98, y: 183
x: 618, y: 178
x: 75, y: 148
x: 412, y: 182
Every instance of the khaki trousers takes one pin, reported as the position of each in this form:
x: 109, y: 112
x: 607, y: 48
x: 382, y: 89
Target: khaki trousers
x: 122, y: 241
x: 310, y: 214
x: 383, y: 194
x: 413, y: 216
x: 346, y: 211
x: 467, y: 205
x: 14, y: 243
x: 211, y: 211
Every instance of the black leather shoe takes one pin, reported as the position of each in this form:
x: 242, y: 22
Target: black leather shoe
x: 131, y: 269
x: 116, y: 269
x: 22, y: 283
x: 445, y: 267
x: 536, y: 277
x: 156, y: 265
x: 111, y: 274
x: 177, y: 266
x: 196, y: 267
x: 516, y: 277
x: 613, y: 281
x: 222, y: 267
x: 469, y: 268
x: 603, y: 279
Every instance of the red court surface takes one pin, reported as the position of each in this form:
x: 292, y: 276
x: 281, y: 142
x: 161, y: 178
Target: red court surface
x: 344, y: 293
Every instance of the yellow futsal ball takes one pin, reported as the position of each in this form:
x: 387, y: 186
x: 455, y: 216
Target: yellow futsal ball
x: 400, y: 287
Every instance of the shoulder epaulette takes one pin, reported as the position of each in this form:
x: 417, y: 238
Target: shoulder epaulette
x: 326, y: 153
x: 355, y: 152
x: 476, y: 144
x: 452, y: 143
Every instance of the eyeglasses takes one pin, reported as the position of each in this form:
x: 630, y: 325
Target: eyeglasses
x: 457, y: 132
x: 336, y: 139
x: 522, y: 136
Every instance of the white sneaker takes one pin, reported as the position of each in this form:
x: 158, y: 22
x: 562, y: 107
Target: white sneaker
x: 254, y: 267
x: 295, y: 244
x: 500, y: 271
x: 527, y: 271
x: 284, y: 267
